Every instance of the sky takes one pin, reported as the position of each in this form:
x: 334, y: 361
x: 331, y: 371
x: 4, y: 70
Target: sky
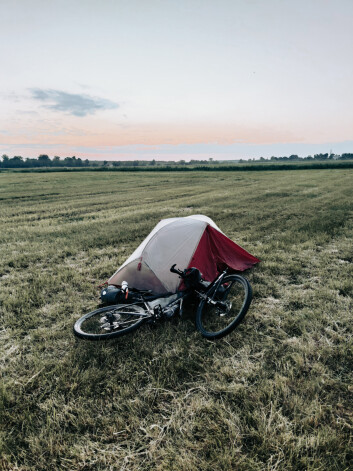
x: 175, y: 79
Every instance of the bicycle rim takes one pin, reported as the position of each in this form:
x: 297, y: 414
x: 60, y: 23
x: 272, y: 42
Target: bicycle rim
x: 110, y: 322
x: 232, y: 302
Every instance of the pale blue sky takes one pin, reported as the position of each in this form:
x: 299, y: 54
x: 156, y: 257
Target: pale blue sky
x: 176, y: 79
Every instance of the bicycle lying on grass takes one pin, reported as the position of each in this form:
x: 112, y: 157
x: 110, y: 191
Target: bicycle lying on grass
x: 222, y: 305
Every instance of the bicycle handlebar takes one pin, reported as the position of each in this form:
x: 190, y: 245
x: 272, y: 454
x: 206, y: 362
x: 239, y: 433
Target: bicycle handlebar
x: 175, y: 270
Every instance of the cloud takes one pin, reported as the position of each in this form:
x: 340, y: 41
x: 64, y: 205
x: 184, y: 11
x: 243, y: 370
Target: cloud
x: 74, y: 104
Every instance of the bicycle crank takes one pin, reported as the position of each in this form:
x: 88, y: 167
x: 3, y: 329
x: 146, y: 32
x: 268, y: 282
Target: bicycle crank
x: 110, y: 321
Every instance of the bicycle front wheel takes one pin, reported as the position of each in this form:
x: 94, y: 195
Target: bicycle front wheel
x: 217, y: 317
x: 110, y: 322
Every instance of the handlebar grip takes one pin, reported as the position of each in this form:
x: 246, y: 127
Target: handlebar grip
x: 175, y: 270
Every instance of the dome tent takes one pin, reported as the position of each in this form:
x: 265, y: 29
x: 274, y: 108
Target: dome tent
x: 192, y: 241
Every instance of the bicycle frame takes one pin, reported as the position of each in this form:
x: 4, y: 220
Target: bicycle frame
x: 157, y: 312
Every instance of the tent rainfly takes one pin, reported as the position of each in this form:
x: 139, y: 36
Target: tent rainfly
x: 192, y: 241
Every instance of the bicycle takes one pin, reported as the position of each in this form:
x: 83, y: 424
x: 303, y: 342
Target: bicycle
x: 222, y: 305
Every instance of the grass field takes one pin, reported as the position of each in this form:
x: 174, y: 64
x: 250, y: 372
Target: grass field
x: 276, y: 394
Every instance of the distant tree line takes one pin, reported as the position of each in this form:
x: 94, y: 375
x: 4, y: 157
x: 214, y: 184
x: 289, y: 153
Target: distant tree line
x: 44, y: 161
x: 294, y: 158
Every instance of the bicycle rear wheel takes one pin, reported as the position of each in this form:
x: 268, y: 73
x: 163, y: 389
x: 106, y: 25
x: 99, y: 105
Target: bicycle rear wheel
x: 218, y: 317
x: 110, y: 322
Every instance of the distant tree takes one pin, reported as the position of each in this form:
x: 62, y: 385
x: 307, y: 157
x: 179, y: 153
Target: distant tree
x: 68, y: 162
x: 44, y: 161
x: 30, y: 163
x: 17, y: 161
x: 86, y: 162
x: 5, y: 160
x: 153, y: 162
x: 56, y: 161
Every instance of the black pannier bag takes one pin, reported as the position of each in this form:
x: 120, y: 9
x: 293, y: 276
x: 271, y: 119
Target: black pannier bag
x: 112, y: 295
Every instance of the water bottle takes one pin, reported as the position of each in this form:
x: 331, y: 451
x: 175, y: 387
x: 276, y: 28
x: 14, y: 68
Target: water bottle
x: 124, y: 286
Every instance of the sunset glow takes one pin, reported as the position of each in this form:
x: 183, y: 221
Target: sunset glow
x: 175, y: 80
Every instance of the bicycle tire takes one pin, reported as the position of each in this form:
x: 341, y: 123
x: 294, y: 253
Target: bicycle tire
x: 235, y: 294
x: 99, y: 322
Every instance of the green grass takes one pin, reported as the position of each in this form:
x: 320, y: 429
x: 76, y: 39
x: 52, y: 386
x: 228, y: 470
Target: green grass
x: 276, y: 394
x: 196, y: 167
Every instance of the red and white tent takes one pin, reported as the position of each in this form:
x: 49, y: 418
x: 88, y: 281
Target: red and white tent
x: 192, y: 241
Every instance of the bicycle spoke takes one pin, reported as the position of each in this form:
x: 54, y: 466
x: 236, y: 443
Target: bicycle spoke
x: 218, y: 316
x: 110, y: 321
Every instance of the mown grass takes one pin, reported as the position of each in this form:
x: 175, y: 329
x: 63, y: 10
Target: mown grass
x: 276, y: 394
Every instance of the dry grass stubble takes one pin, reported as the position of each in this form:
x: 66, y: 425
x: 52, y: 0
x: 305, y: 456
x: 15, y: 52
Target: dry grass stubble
x: 275, y: 394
